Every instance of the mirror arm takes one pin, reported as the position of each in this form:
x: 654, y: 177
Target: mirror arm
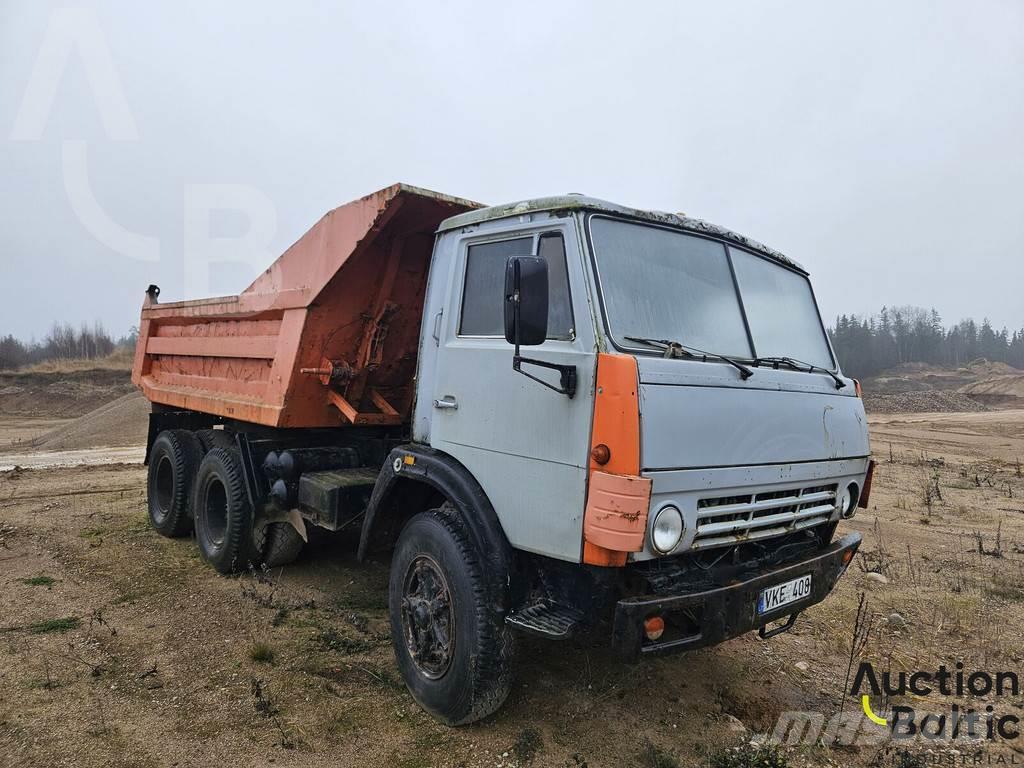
x: 567, y: 373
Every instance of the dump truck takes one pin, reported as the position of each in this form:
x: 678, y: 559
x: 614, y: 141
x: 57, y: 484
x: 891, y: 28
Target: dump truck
x: 557, y: 416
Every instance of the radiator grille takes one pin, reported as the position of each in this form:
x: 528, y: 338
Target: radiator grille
x: 725, y: 520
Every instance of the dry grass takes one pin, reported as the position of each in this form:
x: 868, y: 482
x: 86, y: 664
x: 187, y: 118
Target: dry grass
x: 119, y: 360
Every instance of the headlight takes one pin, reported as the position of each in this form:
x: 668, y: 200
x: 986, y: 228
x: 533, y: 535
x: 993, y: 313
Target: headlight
x: 667, y: 530
x: 846, y: 502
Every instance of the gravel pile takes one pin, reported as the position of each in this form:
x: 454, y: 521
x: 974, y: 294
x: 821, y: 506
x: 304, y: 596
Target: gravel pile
x: 120, y: 422
x: 931, y: 401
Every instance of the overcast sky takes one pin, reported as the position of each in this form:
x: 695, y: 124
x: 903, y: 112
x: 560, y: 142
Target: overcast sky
x: 881, y: 144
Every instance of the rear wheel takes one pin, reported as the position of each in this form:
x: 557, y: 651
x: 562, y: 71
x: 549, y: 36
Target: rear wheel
x: 283, y: 544
x: 216, y: 438
x: 453, y: 651
x: 223, y: 514
x: 173, y: 461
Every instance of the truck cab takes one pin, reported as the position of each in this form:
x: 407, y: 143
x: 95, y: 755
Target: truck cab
x: 645, y: 308
x: 569, y: 417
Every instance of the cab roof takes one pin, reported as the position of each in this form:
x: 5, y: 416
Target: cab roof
x: 572, y: 203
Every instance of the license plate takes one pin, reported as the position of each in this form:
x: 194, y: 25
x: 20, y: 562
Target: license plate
x: 775, y: 597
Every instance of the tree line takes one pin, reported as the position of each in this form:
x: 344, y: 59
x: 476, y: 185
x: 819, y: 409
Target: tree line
x: 867, y: 346
x: 63, y: 342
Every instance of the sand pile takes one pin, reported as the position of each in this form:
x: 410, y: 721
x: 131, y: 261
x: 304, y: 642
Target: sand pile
x: 1006, y: 385
x: 121, y: 422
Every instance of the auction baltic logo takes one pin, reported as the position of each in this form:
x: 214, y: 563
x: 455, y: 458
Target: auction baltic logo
x: 958, y: 723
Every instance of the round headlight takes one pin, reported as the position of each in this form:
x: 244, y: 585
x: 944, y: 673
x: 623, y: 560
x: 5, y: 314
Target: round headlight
x: 846, y: 503
x: 668, y: 529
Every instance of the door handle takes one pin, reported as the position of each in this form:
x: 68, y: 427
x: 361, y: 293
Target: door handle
x: 437, y: 327
x: 447, y: 403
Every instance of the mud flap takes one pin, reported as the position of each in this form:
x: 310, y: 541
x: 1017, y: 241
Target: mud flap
x: 298, y: 523
x: 292, y: 517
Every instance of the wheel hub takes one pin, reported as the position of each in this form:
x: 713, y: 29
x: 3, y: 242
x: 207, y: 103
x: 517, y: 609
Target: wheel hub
x: 427, y: 617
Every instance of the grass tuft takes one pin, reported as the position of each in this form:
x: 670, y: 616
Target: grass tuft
x: 55, y: 625
x: 261, y: 652
x: 39, y: 581
x: 1004, y: 587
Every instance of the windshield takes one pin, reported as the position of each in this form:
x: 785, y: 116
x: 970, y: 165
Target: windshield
x: 660, y: 283
x: 781, y: 312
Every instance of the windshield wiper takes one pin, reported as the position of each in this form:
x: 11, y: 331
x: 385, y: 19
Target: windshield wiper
x: 673, y: 349
x: 800, y: 365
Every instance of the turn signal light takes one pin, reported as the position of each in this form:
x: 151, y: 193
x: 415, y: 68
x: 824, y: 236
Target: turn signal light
x: 654, y: 627
x: 601, y: 454
x: 857, y: 389
x: 847, y: 556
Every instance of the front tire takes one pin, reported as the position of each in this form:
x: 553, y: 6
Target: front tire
x: 454, y: 652
x: 223, y: 513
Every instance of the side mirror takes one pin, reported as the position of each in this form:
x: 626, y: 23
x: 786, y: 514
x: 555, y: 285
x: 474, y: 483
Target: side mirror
x: 526, y: 300
x: 526, y: 318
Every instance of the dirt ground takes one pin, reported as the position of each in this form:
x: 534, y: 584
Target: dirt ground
x: 119, y: 647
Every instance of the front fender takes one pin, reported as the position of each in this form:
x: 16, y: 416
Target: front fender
x: 447, y: 476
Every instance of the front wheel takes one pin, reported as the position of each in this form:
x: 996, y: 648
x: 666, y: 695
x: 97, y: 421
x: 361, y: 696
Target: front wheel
x: 454, y: 653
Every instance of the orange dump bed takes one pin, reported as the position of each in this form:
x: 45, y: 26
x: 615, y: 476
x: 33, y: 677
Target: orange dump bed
x: 327, y: 336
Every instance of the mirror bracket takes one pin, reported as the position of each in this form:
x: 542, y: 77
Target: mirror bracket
x: 567, y: 373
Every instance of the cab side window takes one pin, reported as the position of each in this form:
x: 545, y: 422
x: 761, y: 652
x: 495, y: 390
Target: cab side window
x: 483, y: 293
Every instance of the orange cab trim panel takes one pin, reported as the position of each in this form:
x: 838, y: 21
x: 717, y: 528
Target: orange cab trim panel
x: 616, y: 515
x: 617, y: 414
x: 615, y: 519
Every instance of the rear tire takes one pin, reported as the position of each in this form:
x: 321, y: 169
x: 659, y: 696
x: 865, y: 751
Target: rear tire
x: 223, y: 515
x: 173, y: 461
x: 216, y: 438
x: 283, y: 545
x: 454, y: 652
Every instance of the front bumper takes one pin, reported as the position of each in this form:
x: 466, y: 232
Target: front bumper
x: 710, y: 616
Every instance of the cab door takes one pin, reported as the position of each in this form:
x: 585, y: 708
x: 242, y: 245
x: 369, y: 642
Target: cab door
x: 526, y: 445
